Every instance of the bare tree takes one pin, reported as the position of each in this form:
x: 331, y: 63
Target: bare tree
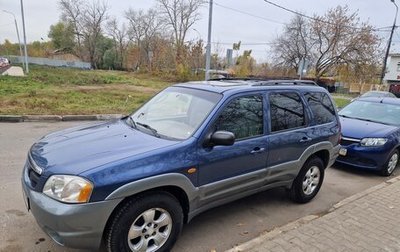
x: 87, y: 19
x: 119, y: 34
x: 180, y: 15
x: 294, y: 44
x: 94, y: 16
x: 71, y: 13
x: 143, y: 28
x: 341, y: 38
x: 327, y: 41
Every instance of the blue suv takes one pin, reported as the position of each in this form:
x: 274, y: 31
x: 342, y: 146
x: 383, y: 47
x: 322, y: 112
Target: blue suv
x: 130, y: 184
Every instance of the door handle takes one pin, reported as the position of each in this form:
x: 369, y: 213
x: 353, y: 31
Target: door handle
x: 305, y: 139
x: 257, y: 150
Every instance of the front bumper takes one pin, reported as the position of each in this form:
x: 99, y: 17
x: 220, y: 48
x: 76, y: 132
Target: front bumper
x: 70, y: 225
x: 373, y: 158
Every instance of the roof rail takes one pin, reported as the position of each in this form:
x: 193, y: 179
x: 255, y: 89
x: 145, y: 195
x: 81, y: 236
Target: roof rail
x: 285, y: 82
x: 254, y: 81
x: 247, y: 79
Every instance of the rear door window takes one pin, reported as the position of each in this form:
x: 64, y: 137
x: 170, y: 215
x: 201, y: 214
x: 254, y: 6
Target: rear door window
x: 321, y: 107
x: 286, y: 110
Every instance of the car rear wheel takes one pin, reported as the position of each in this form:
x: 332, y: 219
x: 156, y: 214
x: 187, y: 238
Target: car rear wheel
x: 149, y: 222
x: 308, y: 181
x: 391, y: 164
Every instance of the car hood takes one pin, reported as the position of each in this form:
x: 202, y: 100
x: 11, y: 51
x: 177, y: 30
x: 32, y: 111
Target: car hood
x: 355, y: 128
x: 79, y: 149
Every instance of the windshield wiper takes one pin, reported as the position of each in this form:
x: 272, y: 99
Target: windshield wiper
x: 351, y: 117
x: 153, y: 130
x: 133, y: 123
x: 345, y: 116
x: 369, y: 120
x: 364, y: 119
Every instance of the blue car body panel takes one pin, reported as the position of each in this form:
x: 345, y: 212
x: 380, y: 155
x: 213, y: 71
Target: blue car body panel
x: 359, y: 129
x: 121, y: 161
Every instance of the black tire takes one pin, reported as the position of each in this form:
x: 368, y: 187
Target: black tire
x: 116, y: 234
x: 386, y: 170
x: 297, y: 192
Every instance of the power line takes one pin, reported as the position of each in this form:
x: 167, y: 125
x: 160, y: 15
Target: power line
x: 380, y: 29
x: 249, y: 14
x: 310, y: 17
x: 245, y: 44
x: 385, y: 27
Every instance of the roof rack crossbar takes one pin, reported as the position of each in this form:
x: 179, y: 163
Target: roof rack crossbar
x: 252, y: 81
x: 285, y: 82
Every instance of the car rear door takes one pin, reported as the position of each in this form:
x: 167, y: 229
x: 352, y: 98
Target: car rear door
x: 288, y: 134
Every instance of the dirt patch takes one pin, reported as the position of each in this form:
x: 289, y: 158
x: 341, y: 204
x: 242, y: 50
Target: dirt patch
x: 16, y: 212
x: 11, y: 248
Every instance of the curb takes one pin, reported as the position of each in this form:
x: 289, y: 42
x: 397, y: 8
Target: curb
x: 35, y: 118
x: 363, y: 193
x: 269, y: 235
x: 79, y: 118
x: 58, y: 118
x: 11, y: 118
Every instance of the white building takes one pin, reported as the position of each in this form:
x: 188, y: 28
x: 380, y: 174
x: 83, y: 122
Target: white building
x: 392, y: 75
x: 393, y: 68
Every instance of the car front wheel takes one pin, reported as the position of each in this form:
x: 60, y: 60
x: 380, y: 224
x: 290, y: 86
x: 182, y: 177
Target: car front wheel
x: 149, y: 222
x: 391, y: 164
x: 308, y: 181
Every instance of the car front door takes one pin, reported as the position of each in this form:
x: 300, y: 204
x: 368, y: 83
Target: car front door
x: 228, y: 170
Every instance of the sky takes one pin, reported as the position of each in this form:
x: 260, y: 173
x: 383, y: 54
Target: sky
x: 228, y: 26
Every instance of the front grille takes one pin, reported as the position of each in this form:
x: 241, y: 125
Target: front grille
x: 346, y: 141
x: 33, y: 175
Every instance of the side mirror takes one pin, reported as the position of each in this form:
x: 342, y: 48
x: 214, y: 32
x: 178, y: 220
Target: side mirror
x: 222, y: 137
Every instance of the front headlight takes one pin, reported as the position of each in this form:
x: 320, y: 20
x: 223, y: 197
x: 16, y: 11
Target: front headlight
x: 373, y: 141
x: 67, y: 188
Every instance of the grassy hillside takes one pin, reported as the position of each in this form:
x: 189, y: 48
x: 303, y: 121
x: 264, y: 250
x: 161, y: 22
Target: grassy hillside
x: 50, y: 90
x: 62, y: 91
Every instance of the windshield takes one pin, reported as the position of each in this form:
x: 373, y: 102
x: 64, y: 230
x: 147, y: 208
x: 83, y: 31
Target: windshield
x: 374, y: 94
x: 372, y: 111
x: 175, y: 112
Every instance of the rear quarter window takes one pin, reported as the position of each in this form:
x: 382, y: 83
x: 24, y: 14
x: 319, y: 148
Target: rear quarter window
x: 321, y: 106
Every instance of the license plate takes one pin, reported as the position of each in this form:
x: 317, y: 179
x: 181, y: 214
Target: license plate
x: 343, y: 152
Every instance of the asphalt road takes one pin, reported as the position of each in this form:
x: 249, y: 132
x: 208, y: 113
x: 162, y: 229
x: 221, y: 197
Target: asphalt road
x: 217, y: 229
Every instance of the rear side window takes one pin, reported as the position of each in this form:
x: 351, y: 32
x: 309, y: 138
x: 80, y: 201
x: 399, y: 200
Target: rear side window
x: 321, y: 107
x: 243, y: 116
x: 287, y: 111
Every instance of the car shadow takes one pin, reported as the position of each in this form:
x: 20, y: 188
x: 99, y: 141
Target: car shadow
x: 354, y: 170
x: 222, y: 227
x: 236, y: 222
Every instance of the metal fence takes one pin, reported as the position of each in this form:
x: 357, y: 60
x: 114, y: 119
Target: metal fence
x: 50, y: 62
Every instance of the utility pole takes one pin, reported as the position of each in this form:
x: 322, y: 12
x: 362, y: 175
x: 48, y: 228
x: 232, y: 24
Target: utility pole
x: 389, y: 44
x: 23, y: 28
x: 208, y: 49
x: 19, y: 41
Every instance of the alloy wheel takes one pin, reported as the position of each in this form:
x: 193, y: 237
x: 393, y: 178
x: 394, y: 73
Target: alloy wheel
x: 311, y: 180
x: 150, y: 230
x: 392, y: 163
